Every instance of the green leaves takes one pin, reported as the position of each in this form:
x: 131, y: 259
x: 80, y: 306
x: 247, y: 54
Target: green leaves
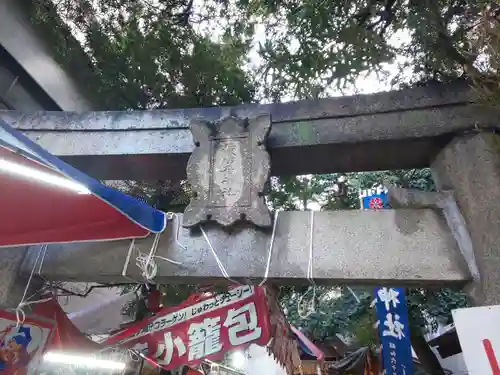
x: 174, y: 53
x: 323, y: 45
x: 328, y: 44
x: 141, y: 55
x: 341, y: 313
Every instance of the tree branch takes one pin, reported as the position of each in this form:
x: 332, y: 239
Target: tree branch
x: 385, y: 15
x: 445, y: 42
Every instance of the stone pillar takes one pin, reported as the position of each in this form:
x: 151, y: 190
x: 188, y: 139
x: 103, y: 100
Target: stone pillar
x: 12, y: 285
x: 470, y: 167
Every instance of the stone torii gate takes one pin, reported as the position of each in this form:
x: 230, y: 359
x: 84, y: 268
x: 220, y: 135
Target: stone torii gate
x: 447, y: 238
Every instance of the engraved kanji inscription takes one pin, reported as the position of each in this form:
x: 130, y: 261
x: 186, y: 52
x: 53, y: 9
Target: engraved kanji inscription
x: 227, y: 172
x: 229, y: 165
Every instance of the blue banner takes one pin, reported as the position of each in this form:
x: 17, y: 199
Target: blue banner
x: 374, y: 199
x: 392, y: 314
x: 392, y: 310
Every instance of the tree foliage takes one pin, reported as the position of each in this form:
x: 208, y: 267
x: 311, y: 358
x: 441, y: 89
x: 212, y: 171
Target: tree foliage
x: 142, y: 54
x: 347, y: 311
x: 145, y: 55
x: 436, y: 303
x: 181, y: 53
x: 316, y: 45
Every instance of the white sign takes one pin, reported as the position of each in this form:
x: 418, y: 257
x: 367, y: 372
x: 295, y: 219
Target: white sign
x: 478, y: 330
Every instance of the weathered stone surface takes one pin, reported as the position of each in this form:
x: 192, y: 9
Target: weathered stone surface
x: 400, y: 129
x: 227, y: 172
x: 445, y: 202
x: 413, y: 198
x: 470, y: 166
x: 398, y: 247
x: 431, y: 96
x: 11, y: 284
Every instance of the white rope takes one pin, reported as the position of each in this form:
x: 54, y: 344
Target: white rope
x: 149, y: 268
x: 127, y: 261
x: 171, y: 216
x: 45, y: 247
x: 305, y: 309
x: 270, y: 251
x: 134, y: 355
x: 146, y: 262
x: 353, y: 294
x: 269, y: 254
x: 21, y: 315
x: 310, y: 263
x: 219, y: 263
x: 32, y: 273
x: 19, y: 310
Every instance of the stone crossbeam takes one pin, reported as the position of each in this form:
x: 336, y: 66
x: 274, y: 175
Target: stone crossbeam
x: 392, y: 130
x: 399, y: 247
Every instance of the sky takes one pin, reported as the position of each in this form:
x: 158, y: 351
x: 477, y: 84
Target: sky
x: 365, y: 84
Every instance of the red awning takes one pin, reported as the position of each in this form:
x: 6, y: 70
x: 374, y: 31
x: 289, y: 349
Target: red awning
x: 66, y: 337
x: 45, y: 200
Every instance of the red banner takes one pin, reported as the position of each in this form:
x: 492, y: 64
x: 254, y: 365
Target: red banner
x: 201, y: 328
x: 46, y: 329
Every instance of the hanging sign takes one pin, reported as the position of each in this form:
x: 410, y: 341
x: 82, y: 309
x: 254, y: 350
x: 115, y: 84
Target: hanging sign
x: 392, y: 314
x: 392, y: 310
x: 374, y: 199
x: 202, y: 328
x: 22, y: 347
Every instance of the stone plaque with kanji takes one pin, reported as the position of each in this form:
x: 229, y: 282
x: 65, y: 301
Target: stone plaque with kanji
x: 227, y: 172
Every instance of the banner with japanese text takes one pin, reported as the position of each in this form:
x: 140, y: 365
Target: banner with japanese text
x: 392, y: 314
x: 392, y: 311
x: 204, y: 327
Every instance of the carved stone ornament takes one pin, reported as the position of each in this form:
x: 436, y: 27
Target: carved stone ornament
x: 227, y: 172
